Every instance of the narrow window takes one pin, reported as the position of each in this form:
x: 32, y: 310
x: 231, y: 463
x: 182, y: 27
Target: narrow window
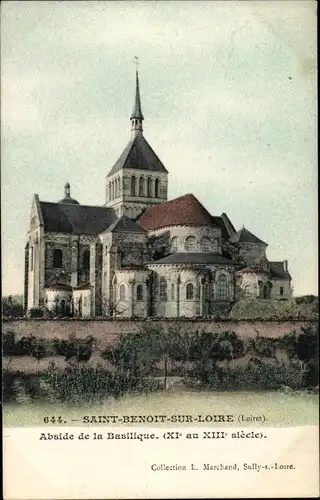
x: 222, y: 288
x: 133, y: 186
x: 86, y: 260
x: 139, y: 292
x: 57, y: 259
x: 156, y: 188
x: 122, y: 292
x: 141, y: 186
x: 149, y: 187
x: 215, y: 246
x: 189, y: 291
x: 190, y: 244
x: 163, y: 289
x: 31, y: 258
x: 63, y: 307
x: 174, y: 244
x: 205, y: 244
x: 266, y: 292
x: 281, y: 290
x: 173, y: 292
x: 106, y: 249
x: 119, y: 186
x: 206, y: 292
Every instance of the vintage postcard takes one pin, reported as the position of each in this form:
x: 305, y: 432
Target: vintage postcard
x: 159, y: 249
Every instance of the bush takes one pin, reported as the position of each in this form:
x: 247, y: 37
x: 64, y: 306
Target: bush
x: 77, y: 385
x: 12, y: 306
x: 255, y: 376
x: 36, y: 312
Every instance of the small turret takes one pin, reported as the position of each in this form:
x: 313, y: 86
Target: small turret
x: 67, y: 198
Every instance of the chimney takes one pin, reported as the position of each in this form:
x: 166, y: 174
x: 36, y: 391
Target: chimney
x: 285, y: 265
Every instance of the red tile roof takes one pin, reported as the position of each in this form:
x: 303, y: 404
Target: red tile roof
x: 183, y: 211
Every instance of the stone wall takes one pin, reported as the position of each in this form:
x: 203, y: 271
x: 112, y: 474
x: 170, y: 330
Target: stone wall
x: 107, y: 332
x: 120, y: 198
x: 251, y: 253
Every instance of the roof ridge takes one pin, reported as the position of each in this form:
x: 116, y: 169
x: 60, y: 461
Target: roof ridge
x: 78, y: 205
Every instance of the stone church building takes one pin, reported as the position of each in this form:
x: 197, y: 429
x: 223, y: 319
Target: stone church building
x: 140, y: 255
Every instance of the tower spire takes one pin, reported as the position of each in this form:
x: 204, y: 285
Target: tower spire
x: 136, y: 115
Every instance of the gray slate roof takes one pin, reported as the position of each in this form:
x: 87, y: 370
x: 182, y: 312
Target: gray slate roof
x: 244, y: 236
x: 138, y: 154
x: 125, y: 225
x: 193, y: 258
x: 137, y: 111
x: 277, y: 270
x: 78, y: 219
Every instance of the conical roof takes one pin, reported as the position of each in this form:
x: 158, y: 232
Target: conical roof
x: 137, y: 112
x: 139, y: 155
x: 244, y: 236
x: 183, y: 211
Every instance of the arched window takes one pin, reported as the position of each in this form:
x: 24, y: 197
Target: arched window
x: 215, y: 246
x: 190, y: 244
x: 57, y: 259
x: 205, y: 244
x: 119, y: 185
x: 206, y: 292
x: 189, y: 291
x: 266, y: 292
x: 139, y: 292
x: 163, y: 289
x: 222, y: 288
x: 174, y: 244
x: 122, y: 292
x: 133, y: 186
x: 141, y: 186
x: 149, y: 187
x: 63, y: 307
x: 247, y: 291
x: 173, y: 289
x: 86, y: 260
x: 156, y: 188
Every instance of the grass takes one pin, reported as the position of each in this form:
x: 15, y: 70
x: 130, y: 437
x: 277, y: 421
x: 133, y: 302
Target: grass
x: 280, y: 408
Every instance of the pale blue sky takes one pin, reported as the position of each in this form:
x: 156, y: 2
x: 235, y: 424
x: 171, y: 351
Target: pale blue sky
x: 229, y: 99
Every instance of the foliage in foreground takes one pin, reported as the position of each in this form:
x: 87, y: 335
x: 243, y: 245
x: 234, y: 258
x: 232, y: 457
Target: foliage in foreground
x: 77, y: 385
x: 139, y: 358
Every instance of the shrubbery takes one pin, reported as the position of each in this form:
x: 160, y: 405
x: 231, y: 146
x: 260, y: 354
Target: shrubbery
x: 81, y: 349
x: 137, y: 357
x: 12, y: 306
x: 77, y: 385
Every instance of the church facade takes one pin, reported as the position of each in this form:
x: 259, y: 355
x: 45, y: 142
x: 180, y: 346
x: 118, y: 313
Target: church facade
x: 140, y: 255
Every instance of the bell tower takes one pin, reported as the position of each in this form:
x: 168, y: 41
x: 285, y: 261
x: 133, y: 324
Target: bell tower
x: 138, y: 180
